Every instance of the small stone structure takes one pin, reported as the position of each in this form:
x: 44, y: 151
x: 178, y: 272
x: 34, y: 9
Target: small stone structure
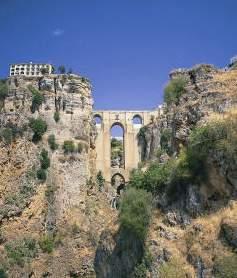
x: 132, y: 154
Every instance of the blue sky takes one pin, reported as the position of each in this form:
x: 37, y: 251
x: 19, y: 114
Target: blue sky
x: 125, y: 47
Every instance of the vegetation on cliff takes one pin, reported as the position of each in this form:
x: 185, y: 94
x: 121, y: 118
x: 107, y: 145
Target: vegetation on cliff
x: 174, y: 90
x: 39, y: 127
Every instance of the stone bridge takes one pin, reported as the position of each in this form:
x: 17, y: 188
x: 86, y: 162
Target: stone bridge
x: 125, y: 119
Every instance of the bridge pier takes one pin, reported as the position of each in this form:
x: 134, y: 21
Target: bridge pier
x: 131, y: 149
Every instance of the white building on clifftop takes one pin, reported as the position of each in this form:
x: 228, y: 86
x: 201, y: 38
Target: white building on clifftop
x: 30, y: 69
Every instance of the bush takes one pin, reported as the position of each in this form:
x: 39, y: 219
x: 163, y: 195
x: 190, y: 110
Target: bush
x: 56, y: 116
x: 37, y: 99
x: 68, y: 146
x: 52, y: 142
x: 21, y: 251
x: 3, y: 89
x: 155, y: 178
x: 39, y: 127
x: 141, y: 269
x: 41, y: 175
x: 135, y: 212
x: 165, y: 140
x: 7, y: 135
x: 226, y: 267
x: 44, y: 160
x: 100, y: 180
x: 174, y: 90
x: 47, y: 243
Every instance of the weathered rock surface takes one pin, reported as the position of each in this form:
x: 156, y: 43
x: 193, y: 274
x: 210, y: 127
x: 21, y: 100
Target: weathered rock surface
x: 229, y: 231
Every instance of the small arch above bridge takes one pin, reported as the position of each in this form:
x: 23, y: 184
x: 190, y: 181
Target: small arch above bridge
x: 131, y: 122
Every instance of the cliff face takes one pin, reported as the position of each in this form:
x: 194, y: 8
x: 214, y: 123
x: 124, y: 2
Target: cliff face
x: 208, y: 90
x: 66, y: 208
x: 190, y: 227
x: 64, y: 226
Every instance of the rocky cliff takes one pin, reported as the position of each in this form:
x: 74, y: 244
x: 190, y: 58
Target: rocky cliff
x: 65, y: 211
x: 189, y: 229
x: 57, y: 222
x: 208, y: 90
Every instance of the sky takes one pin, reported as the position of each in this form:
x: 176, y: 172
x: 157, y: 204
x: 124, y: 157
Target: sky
x: 125, y: 47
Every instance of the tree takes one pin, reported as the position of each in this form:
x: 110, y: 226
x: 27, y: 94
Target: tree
x: 135, y: 212
x: 41, y: 175
x: 37, y: 99
x: 56, y: 116
x: 39, y: 127
x: 68, y: 146
x: 52, y: 142
x: 44, y: 160
x: 62, y: 69
x: 174, y: 90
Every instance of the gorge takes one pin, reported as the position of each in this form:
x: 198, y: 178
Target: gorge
x: 177, y: 213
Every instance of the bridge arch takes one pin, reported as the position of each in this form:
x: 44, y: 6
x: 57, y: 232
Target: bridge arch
x: 117, y: 150
x: 132, y: 152
x: 97, y: 118
x: 137, y: 120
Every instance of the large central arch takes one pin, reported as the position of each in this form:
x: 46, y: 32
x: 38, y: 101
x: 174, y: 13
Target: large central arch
x: 131, y: 121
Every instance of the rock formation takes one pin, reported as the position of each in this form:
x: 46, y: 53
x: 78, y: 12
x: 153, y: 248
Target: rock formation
x: 64, y: 226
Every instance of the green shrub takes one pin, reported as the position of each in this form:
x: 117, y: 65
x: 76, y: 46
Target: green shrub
x: 56, y: 116
x: 3, y: 89
x: 155, y: 178
x: 7, y: 135
x: 135, y: 212
x: 37, y: 99
x: 52, y: 142
x: 21, y: 251
x: 165, y: 140
x: 100, y: 180
x: 174, y: 90
x: 68, y: 146
x: 47, y: 243
x: 41, y: 175
x: 10, y: 132
x: 39, y: 127
x: 226, y: 266
x: 44, y: 160
x: 141, y: 269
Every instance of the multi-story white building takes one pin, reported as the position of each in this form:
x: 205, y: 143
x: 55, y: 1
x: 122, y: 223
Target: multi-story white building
x: 30, y: 69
